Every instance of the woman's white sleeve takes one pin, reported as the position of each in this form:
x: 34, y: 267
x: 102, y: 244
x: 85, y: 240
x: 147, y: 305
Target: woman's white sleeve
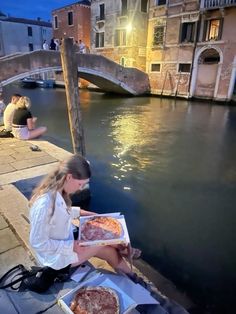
x: 75, y: 212
x: 39, y: 233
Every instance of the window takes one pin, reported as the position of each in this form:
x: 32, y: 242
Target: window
x: 160, y: 2
x: 158, y: 35
x: 124, y: 7
x: 155, y: 67
x: 31, y: 47
x: 122, y: 61
x: 211, y: 60
x: 184, y: 67
x: 102, y: 11
x: 70, y: 18
x: 55, y: 22
x: 187, y: 32
x: 144, y: 4
x: 99, y: 40
x: 30, y: 31
x: 213, y: 29
x: 120, y: 37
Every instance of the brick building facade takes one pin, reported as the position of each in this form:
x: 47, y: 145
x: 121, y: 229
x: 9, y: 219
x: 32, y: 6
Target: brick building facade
x: 73, y: 21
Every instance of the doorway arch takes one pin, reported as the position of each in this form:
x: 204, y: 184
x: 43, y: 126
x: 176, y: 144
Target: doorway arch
x: 206, y: 72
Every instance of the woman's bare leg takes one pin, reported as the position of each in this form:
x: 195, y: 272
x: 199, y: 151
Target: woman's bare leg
x: 107, y: 253
x: 37, y: 132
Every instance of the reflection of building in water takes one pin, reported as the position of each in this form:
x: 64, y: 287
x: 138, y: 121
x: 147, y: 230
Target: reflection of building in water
x: 85, y: 97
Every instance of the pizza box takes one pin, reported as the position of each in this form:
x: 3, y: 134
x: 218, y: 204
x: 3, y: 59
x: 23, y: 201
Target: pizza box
x: 124, y: 239
x: 130, y: 294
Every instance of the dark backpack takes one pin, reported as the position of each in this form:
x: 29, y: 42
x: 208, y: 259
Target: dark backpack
x: 5, y: 133
x: 37, y: 279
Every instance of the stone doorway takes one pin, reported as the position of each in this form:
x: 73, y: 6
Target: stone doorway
x: 207, y: 73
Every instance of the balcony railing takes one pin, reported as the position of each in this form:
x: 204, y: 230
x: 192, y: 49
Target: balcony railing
x: 216, y: 4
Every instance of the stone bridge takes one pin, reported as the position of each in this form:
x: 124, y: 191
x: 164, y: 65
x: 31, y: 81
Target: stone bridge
x: 104, y: 73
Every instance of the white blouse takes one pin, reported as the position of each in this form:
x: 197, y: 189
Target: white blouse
x: 52, y: 236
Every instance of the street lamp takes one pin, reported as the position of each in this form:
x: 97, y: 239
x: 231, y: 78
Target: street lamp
x: 129, y: 27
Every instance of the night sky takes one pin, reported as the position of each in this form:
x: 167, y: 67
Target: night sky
x: 32, y: 9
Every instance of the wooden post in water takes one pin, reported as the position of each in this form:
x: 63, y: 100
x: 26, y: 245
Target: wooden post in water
x: 70, y: 73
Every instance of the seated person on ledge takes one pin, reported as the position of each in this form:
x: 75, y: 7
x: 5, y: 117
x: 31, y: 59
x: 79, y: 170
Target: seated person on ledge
x: 23, y: 124
x: 51, y: 214
x: 9, y: 112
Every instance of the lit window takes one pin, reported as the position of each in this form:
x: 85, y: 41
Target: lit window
x: 158, y: 35
x: 187, y: 33
x: 70, y: 18
x: 99, y: 40
x: 184, y: 67
x: 155, y: 67
x: 120, y: 37
x: 213, y: 29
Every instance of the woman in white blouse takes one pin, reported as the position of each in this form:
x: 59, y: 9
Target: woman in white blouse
x: 51, y: 215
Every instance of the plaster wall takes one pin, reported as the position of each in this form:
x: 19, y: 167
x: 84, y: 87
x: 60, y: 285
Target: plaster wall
x: 14, y: 37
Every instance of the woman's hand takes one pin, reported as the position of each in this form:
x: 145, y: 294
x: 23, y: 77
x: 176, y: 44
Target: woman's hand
x: 76, y: 246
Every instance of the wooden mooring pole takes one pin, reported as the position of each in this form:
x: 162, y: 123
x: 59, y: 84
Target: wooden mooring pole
x: 70, y: 73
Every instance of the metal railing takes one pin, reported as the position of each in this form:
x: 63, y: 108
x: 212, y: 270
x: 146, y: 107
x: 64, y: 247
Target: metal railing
x: 214, y: 4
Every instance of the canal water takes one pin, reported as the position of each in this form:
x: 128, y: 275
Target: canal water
x: 169, y: 167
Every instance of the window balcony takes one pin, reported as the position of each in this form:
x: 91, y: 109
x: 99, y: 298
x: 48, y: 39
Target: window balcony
x: 216, y: 4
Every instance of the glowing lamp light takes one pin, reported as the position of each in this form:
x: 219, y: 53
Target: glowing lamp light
x: 129, y: 27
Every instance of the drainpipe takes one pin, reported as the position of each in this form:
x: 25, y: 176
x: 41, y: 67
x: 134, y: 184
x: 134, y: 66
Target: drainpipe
x: 194, y: 49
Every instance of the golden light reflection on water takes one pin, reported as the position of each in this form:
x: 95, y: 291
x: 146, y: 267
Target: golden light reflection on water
x: 132, y: 133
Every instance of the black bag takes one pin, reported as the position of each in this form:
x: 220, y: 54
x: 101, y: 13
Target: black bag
x: 5, y: 133
x: 38, y: 279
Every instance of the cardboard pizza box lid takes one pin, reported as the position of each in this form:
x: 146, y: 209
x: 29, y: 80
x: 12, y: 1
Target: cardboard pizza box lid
x: 124, y: 239
x: 130, y: 294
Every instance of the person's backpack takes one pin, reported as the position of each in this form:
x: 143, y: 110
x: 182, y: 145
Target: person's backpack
x: 37, y: 279
x: 5, y: 133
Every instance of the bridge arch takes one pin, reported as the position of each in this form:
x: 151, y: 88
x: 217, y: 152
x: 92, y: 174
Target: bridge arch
x: 97, y: 69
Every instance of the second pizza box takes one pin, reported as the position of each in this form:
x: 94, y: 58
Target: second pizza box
x: 129, y: 294
x: 123, y: 239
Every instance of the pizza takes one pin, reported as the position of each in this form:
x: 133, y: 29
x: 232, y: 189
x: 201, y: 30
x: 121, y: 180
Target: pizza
x: 101, y: 228
x: 95, y: 300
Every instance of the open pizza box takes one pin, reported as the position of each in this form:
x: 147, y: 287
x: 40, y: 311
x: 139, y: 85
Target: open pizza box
x: 130, y: 294
x: 123, y: 239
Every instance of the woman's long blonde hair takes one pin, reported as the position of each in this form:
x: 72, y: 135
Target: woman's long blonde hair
x: 23, y: 102
x: 76, y: 165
